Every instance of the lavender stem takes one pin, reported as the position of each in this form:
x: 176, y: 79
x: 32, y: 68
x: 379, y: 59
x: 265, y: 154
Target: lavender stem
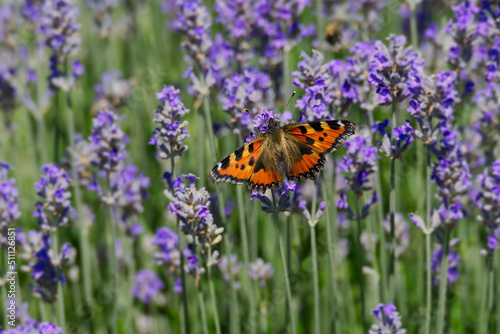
x: 212, y: 296
x: 392, y: 205
x: 361, y: 264
x: 428, y: 244
x: 60, y: 297
x: 443, y: 282
x: 285, y: 267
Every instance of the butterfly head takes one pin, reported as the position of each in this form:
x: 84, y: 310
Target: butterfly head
x: 273, y: 125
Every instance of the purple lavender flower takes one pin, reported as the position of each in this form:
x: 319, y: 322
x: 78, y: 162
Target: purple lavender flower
x: 260, y: 272
x: 82, y: 156
x: 389, y: 320
x: 235, y: 269
x: 171, y: 129
x: 127, y: 194
x: 283, y: 194
x: 244, y: 96
x: 52, y: 211
x: 433, y: 96
x: 60, y: 28
x: 403, y: 138
x: 191, y: 206
x: 487, y: 199
x: 35, y: 327
x: 319, y: 213
x: 47, y: 271
x: 167, y: 254
x: 463, y: 30
x: 108, y: 142
x: 147, y: 286
x: 113, y: 91
x: 452, y: 176
x: 9, y: 197
x: 453, y: 261
x: 392, y: 68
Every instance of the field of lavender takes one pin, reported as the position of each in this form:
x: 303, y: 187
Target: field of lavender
x: 113, y: 112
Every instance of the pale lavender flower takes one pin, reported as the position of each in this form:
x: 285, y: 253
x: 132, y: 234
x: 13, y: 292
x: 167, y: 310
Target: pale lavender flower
x: 235, y: 269
x: 167, y: 254
x: 113, y: 91
x: 260, y: 272
x: 403, y: 136
x: 103, y: 12
x: 401, y: 232
x: 147, y: 286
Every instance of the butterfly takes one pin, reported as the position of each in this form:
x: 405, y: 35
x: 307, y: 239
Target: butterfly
x: 296, y: 150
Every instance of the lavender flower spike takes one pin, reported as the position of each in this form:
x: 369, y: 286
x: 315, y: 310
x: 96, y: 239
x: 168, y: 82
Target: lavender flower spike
x: 147, y: 286
x: 9, y: 197
x: 260, y: 272
x: 389, y: 320
x: 171, y: 130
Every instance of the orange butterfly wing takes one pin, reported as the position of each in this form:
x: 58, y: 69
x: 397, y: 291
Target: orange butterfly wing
x: 245, y: 166
x: 315, y: 139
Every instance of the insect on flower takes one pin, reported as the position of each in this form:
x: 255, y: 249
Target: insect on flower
x: 296, y: 150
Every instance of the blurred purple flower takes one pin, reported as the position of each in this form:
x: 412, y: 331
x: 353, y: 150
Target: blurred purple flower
x: 60, y: 29
x: 113, y: 91
x: 453, y: 261
x: 359, y: 66
x: 147, y: 286
x: 171, y: 130
x: 389, y: 320
x: 108, y: 142
x: 9, y: 197
x: 235, y: 269
x: 260, y: 272
x: 53, y: 210
x: 103, y: 12
x: 401, y: 232
x: 167, y: 254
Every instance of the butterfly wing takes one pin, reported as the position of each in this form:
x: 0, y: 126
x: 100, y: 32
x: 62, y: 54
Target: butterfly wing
x: 246, y: 165
x: 315, y: 139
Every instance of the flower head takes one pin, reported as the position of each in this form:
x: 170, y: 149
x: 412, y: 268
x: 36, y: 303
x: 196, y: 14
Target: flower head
x: 453, y: 261
x: 260, y: 272
x: 389, y: 320
x: 113, y: 91
x: 235, y: 267
x: 9, y: 197
x: 147, y: 286
x: 53, y: 188
x: 171, y: 130
x: 167, y: 254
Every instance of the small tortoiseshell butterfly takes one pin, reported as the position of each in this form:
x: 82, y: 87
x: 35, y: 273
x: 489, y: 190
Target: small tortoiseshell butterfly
x: 297, y: 150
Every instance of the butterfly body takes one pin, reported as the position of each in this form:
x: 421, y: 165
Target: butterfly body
x: 294, y: 150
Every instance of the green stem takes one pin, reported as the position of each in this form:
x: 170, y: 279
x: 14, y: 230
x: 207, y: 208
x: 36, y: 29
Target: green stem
x: 361, y: 264
x: 331, y: 237
x: 428, y: 272
x: 381, y: 231
x: 413, y: 25
x: 114, y: 271
x: 234, y: 309
x: 213, y: 298
x: 285, y: 267
x: 4, y: 301
x: 185, y: 314
x: 246, y: 260
x: 60, y: 297
x: 497, y: 299
x: 392, y: 209
x: 286, y: 70
x: 317, y: 327
x: 443, y: 282
x: 83, y: 223
x: 320, y: 24
x: 491, y: 293
x: 202, y: 310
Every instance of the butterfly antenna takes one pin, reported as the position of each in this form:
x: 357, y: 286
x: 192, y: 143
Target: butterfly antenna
x: 291, y: 97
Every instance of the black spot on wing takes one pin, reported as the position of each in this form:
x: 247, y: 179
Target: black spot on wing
x: 250, y: 148
x: 242, y: 167
x: 225, y: 163
x: 252, y: 161
x: 316, y: 126
x: 239, y: 153
x: 325, y: 134
x: 321, y: 139
x: 258, y: 166
x: 310, y: 141
x: 304, y: 150
x: 334, y: 125
x: 237, y: 165
x: 303, y: 129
